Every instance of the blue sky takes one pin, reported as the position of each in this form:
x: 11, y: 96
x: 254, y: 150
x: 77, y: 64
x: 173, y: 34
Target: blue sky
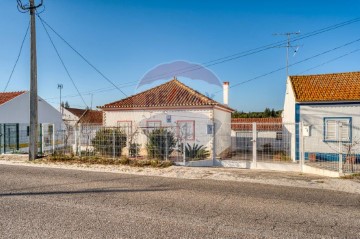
x: 125, y: 39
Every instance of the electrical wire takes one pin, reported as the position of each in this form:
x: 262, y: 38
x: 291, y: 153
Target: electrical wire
x: 63, y: 64
x: 293, y: 64
x: 78, y: 53
x: 329, y: 61
x: 212, y: 62
x: 18, y: 57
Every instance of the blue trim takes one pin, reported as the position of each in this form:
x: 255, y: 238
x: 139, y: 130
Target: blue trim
x: 350, y: 128
x: 332, y: 157
x: 330, y: 103
x: 297, y: 131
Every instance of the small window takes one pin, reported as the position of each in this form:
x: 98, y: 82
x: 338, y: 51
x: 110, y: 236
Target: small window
x: 187, y: 129
x: 337, y: 129
x: 279, y: 135
x: 28, y: 131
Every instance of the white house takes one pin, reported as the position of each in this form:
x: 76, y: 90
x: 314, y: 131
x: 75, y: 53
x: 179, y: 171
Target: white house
x: 328, y: 107
x: 15, y: 117
x: 269, y: 134
x: 189, y: 114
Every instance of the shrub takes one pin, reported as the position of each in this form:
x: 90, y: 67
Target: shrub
x: 124, y: 160
x: 103, y: 142
x: 194, y: 152
x: 161, y: 142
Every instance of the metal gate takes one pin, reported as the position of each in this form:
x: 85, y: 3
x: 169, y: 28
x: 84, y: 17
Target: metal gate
x: 11, y: 138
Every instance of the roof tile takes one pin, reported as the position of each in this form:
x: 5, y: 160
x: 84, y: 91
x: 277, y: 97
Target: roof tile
x: 7, y: 96
x: 171, y: 93
x: 327, y: 87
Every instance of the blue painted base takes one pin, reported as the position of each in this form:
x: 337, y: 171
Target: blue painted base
x: 330, y: 156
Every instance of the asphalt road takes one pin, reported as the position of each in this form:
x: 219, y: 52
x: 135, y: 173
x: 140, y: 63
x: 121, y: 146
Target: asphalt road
x: 58, y: 203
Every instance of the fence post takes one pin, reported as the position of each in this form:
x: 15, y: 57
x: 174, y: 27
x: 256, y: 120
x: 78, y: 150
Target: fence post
x: 184, y: 145
x: 254, y: 138
x: 214, y: 144
x: 113, y: 143
x: 166, y: 146
x: 80, y: 137
x: 76, y: 140
x: 42, y: 139
x: 339, y: 125
x: 53, y: 138
x: 302, y: 141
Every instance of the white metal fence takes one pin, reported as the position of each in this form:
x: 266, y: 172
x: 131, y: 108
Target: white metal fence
x: 176, y: 143
x: 333, y: 146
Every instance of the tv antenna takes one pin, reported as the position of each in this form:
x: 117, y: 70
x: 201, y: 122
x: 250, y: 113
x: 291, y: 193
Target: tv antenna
x: 287, y: 46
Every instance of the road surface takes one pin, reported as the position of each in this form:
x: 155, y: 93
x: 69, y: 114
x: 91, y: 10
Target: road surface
x: 60, y: 203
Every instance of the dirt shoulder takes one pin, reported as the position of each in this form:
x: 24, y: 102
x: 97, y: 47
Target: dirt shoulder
x: 226, y: 174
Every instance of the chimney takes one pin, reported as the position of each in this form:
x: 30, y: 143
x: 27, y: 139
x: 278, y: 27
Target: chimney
x: 226, y: 93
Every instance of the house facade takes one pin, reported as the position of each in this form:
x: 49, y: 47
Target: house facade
x: 15, y: 117
x: 173, y: 106
x: 323, y: 112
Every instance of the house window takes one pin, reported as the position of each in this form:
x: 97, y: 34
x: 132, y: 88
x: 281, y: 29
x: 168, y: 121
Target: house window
x: 187, y: 129
x: 125, y: 126
x: 151, y: 125
x: 279, y: 135
x: 337, y: 129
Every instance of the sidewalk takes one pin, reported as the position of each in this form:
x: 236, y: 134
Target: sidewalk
x: 226, y: 174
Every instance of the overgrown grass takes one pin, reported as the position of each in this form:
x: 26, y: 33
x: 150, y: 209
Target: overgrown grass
x: 69, y: 159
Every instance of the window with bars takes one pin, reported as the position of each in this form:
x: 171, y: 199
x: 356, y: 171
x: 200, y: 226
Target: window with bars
x: 337, y: 129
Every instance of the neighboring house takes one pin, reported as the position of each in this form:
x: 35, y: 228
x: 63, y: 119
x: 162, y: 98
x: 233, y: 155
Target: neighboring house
x: 71, y: 115
x: 86, y: 122
x: 328, y: 105
x: 74, y: 116
x: 269, y: 134
x: 15, y: 117
x: 189, y: 114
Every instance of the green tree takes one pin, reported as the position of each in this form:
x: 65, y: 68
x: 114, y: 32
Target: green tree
x: 67, y: 105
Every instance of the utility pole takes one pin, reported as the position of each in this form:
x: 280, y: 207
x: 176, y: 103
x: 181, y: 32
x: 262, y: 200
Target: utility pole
x: 60, y: 86
x: 33, y: 144
x: 288, y: 45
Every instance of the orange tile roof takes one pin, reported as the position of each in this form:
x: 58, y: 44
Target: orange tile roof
x: 327, y: 87
x: 6, y: 96
x: 75, y: 111
x: 91, y: 117
x: 262, y: 124
x: 172, y: 93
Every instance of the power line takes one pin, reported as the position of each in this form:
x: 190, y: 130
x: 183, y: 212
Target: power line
x: 329, y: 61
x: 63, y: 64
x: 77, y: 52
x: 296, y: 63
x: 18, y: 57
x: 212, y: 62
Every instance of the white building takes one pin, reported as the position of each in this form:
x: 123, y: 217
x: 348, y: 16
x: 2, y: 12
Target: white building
x: 189, y: 114
x: 15, y: 117
x: 328, y: 107
x: 269, y: 134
